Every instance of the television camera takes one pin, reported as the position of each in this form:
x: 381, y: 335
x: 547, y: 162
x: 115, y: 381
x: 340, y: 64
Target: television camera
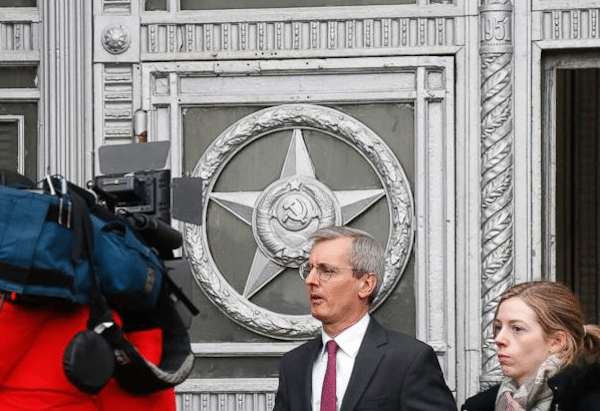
x: 143, y: 199
x: 135, y: 186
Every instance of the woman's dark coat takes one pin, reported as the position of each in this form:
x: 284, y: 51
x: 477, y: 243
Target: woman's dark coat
x: 575, y: 389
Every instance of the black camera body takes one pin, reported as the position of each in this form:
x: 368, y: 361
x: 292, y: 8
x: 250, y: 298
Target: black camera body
x: 147, y: 192
x: 143, y: 198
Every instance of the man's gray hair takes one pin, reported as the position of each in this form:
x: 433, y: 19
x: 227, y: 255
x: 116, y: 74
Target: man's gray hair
x: 366, y: 255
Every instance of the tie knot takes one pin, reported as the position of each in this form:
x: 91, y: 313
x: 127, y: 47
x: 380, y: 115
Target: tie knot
x: 332, y: 347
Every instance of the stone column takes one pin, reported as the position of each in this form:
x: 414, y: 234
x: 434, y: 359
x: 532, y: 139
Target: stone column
x: 66, y: 104
x: 497, y: 170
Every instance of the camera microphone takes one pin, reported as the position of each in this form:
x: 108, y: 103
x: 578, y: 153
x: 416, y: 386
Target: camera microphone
x: 156, y: 232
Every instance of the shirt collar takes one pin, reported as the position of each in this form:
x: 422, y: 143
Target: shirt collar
x: 351, y: 338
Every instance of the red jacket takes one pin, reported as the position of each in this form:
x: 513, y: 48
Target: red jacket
x: 32, y: 343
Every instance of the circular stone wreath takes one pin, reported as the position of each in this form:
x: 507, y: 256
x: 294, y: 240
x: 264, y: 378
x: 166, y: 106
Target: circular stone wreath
x: 328, y: 121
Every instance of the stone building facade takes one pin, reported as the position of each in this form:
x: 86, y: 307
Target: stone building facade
x: 463, y: 134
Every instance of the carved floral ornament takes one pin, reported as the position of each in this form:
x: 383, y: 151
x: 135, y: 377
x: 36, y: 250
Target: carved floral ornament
x: 285, y: 213
x: 116, y: 39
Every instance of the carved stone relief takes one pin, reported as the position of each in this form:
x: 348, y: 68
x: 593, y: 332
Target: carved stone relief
x: 18, y: 36
x: 116, y: 39
x: 272, y: 38
x: 227, y: 395
x: 570, y: 24
x: 291, y: 208
x: 497, y: 205
x: 118, y: 103
x: 116, y: 6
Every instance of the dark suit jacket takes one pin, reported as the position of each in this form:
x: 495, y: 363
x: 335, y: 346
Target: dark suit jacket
x: 392, y: 371
x: 574, y: 389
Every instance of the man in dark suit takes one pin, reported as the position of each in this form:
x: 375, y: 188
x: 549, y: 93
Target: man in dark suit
x: 368, y: 367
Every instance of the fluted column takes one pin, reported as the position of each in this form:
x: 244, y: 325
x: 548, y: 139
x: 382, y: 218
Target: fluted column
x: 497, y: 169
x: 66, y: 105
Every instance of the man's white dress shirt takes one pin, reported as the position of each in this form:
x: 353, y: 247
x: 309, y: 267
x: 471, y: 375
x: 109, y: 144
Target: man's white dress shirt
x: 349, y: 342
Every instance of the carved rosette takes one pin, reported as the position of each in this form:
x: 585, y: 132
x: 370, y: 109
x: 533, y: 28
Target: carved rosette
x: 497, y: 203
x: 116, y: 40
x: 312, y: 195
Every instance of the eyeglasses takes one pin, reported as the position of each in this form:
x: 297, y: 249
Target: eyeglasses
x: 325, y: 272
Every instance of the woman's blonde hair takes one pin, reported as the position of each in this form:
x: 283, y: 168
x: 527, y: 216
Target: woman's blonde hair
x: 558, y: 309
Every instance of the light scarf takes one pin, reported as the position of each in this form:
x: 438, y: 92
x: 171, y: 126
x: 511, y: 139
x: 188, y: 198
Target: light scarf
x: 534, y: 394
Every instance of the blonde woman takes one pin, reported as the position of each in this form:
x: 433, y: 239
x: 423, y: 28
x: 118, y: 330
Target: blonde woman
x: 549, y: 358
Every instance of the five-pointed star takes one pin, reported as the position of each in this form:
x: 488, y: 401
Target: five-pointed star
x: 242, y: 204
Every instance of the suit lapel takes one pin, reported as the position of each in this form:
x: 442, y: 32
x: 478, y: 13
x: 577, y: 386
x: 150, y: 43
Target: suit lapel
x: 367, y: 360
x: 313, y: 348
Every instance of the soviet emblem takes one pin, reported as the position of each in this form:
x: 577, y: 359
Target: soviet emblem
x: 286, y: 212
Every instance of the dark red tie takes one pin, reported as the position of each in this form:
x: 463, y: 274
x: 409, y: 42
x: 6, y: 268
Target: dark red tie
x: 328, y: 393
